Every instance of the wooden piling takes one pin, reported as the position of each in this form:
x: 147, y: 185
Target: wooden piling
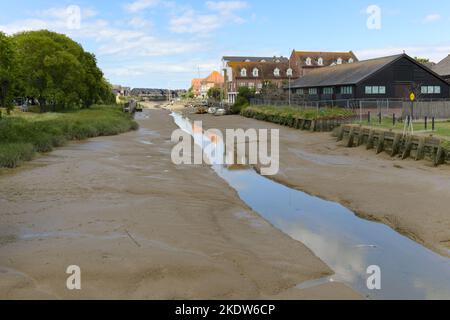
x: 420, y: 149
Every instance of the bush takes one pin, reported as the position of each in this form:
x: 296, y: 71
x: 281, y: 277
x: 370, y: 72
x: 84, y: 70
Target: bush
x: 23, y: 135
x: 12, y: 154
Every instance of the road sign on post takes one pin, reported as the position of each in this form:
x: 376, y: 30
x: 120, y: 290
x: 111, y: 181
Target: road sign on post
x: 412, y: 97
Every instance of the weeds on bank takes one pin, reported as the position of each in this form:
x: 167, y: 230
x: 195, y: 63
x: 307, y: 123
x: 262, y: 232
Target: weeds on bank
x: 24, y: 134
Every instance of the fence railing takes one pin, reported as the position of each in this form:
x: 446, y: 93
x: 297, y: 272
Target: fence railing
x: 439, y: 109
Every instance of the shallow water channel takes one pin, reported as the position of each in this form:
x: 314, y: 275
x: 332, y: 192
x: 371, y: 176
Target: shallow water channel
x: 347, y: 243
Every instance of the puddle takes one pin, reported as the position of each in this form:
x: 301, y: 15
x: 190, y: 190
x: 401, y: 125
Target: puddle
x: 348, y: 244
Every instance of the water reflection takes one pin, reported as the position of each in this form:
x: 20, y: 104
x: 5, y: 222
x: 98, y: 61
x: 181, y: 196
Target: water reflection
x: 345, y: 242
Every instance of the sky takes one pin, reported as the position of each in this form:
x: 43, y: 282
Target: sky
x: 160, y: 44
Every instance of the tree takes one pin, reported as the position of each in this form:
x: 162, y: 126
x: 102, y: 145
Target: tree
x: 422, y: 60
x: 7, y: 72
x: 58, y: 72
x: 214, y: 93
x: 243, y: 98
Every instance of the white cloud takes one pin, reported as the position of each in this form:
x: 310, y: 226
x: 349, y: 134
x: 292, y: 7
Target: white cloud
x: 221, y: 13
x: 226, y: 6
x: 140, y: 5
x: 138, y: 22
x: 434, y: 17
x: 191, y: 22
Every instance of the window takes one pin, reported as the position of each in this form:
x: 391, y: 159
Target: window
x: 339, y: 61
x: 255, y: 72
x: 251, y: 85
x: 351, y: 60
x: 263, y: 60
x: 247, y: 60
x: 308, y: 61
x: 300, y: 91
x: 312, y: 91
x: 289, y: 72
x: 260, y: 85
x: 320, y: 62
x: 375, y: 90
x: 430, y: 90
x: 276, y: 72
x: 242, y: 84
x: 243, y: 72
x: 328, y: 90
x: 347, y: 90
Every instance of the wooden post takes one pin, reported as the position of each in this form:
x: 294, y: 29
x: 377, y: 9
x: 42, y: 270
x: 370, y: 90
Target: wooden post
x: 351, y: 137
x: 380, y: 146
x: 368, y: 117
x: 370, y: 139
x: 394, y: 120
x: 439, y: 158
x: 426, y: 123
x: 408, y: 147
x: 396, y: 144
x: 420, y: 149
x: 341, y: 133
x: 433, y: 124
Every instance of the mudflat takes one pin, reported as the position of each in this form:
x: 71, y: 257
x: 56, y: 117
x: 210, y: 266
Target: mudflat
x: 140, y: 227
x: 410, y: 196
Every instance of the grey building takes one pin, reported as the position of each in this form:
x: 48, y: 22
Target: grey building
x: 443, y: 68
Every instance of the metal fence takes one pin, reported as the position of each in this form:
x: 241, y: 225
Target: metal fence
x: 401, y: 109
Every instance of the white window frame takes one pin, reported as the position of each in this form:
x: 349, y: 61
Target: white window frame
x: 347, y: 90
x: 256, y: 72
x: 312, y: 91
x: 328, y: 90
x: 351, y: 60
x: 243, y: 72
x: 339, y: 61
x: 320, y: 61
x: 308, y: 61
x: 276, y: 72
x: 289, y: 72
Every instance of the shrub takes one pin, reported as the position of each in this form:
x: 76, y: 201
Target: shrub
x: 23, y: 135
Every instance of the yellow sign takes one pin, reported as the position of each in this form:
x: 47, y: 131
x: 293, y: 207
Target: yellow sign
x: 412, y: 96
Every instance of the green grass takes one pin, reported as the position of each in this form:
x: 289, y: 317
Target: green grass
x: 442, y: 128
x: 24, y: 134
x: 264, y: 112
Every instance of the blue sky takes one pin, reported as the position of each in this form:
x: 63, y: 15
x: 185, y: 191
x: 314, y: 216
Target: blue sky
x: 157, y: 43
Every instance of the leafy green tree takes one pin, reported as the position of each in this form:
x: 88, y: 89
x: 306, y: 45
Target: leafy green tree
x: 7, y: 72
x: 243, y: 98
x: 58, y: 72
x: 214, y: 93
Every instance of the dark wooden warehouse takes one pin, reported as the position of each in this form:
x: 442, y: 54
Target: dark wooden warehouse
x: 393, y: 77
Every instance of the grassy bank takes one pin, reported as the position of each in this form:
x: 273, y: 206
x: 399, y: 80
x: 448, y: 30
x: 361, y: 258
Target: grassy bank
x: 442, y: 128
x: 24, y: 134
x: 269, y: 112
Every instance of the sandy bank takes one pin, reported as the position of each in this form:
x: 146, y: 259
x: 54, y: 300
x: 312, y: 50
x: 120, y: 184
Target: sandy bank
x: 140, y: 227
x: 411, y: 197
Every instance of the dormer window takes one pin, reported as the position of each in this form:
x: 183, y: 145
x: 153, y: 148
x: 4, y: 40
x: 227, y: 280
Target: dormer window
x: 243, y: 72
x: 277, y: 61
x: 320, y: 62
x: 255, y: 72
x: 276, y: 72
x: 351, y: 60
x: 289, y: 72
x: 247, y: 60
x: 263, y: 60
x: 339, y: 61
x: 308, y: 61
